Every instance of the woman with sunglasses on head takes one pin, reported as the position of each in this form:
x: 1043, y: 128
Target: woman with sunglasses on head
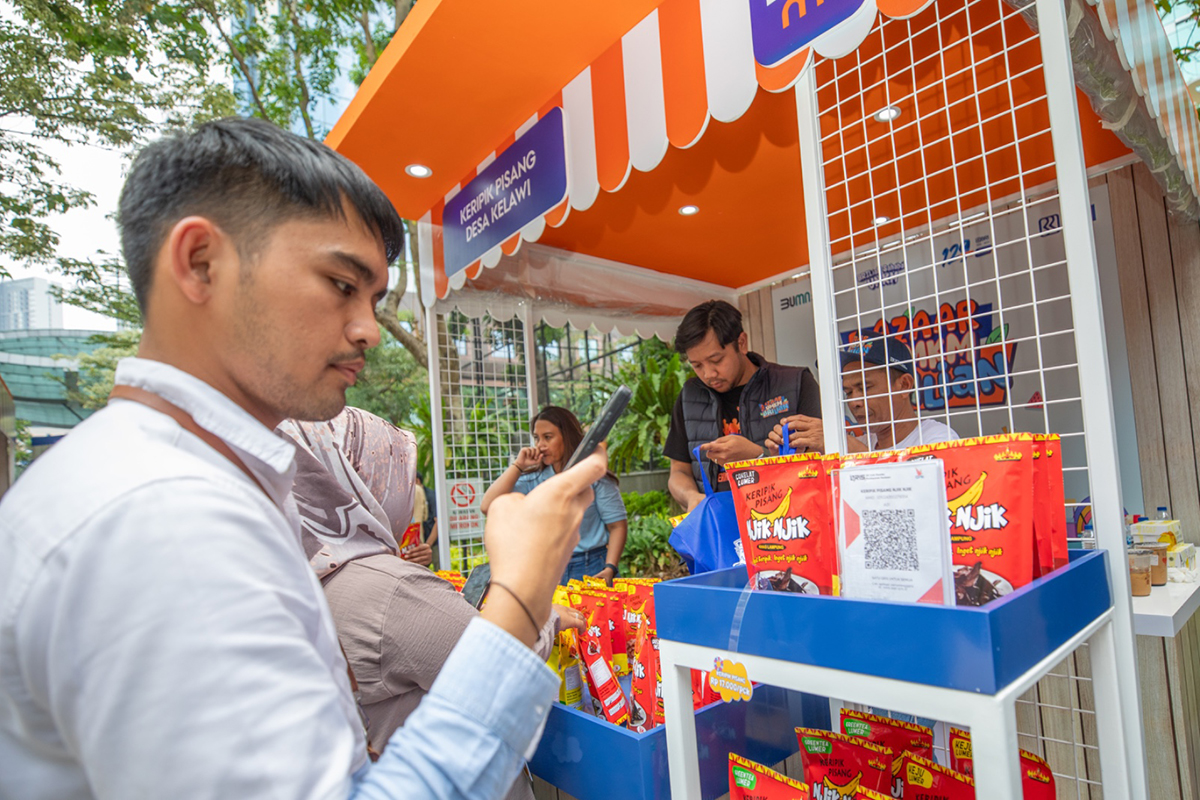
x: 556, y: 434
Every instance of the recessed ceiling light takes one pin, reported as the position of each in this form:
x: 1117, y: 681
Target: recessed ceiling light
x: 881, y: 220
x: 418, y: 170
x: 688, y: 211
x: 887, y: 114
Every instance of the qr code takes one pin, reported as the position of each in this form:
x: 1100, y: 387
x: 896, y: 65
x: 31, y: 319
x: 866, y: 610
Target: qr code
x: 890, y: 538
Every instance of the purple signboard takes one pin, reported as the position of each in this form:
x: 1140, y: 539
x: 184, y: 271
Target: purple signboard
x: 525, y: 181
x: 782, y: 28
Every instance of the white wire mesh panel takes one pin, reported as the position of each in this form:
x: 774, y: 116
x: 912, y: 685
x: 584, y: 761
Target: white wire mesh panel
x: 943, y: 228
x: 485, y: 419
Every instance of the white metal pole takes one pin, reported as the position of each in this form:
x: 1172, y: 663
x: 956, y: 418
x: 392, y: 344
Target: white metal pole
x: 439, y: 437
x: 820, y: 261
x: 683, y: 753
x: 1099, y: 423
x: 528, y: 321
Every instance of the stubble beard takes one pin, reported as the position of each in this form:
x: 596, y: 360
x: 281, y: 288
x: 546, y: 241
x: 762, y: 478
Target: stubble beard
x: 272, y: 387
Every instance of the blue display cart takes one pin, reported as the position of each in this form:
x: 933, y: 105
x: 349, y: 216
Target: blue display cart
x: 591, y: 759
x: 964, y: 666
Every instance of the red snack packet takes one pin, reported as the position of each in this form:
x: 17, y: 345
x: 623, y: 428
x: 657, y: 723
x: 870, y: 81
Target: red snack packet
x: 751, y: 781
x: 836, y: 766
x: 702, y: 693
x: 455, y: 579
x: 617, y: 625
x: 1043, y: 561
x: 782, y: 506
x: 1037, y: 781
x: 960, y: 752
x: 990, y: 499
x: 595, y: 650
x: 929, y: 781
x: 896, y: 735
x: 862, y: 793
x: 410, y: 539
x: 638, y: 603
x: 660, y: 714
x: 1056, y: 500
x: 643, y: 688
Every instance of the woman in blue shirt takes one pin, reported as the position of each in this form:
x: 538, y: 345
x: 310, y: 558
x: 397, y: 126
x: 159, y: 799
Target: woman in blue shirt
x: 556, y: 434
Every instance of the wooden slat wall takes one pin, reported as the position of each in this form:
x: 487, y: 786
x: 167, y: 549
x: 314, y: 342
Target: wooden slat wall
x: 759, y: 320
x: 1158, y: 262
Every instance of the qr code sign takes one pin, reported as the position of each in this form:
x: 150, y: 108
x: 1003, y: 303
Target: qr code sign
x: 890, y: 538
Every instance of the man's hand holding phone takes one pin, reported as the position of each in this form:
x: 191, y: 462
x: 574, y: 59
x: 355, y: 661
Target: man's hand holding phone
x: 529, y: 539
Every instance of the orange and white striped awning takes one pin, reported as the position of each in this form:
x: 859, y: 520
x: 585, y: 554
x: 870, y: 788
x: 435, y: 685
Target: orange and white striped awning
x: 687, y: 63
x: 641, y: 85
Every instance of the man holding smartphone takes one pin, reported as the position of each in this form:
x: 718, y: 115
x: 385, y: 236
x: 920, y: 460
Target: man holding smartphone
x: 731, y: 404
x: 164, y: 635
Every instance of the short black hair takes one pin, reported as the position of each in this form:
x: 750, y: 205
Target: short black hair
x: 717, y: 316
x: 248, y: 176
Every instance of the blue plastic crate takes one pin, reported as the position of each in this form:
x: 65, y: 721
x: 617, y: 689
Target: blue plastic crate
x: 972, y: 649
x: 594, y: 760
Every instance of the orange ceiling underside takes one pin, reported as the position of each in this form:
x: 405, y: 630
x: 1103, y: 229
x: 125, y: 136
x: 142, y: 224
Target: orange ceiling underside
x: 459, y: 77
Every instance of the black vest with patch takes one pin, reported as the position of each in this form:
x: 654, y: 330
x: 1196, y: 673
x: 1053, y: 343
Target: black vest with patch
x: 702, y: 408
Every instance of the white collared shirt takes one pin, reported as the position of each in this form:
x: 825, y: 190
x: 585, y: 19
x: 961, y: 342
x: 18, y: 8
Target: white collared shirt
x: 146, y: 582
x: 929, y: 431
x: 163, y: 636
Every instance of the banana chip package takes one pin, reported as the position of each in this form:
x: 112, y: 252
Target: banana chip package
x: 749, y: 780
x: 782, y: 507
x: 896, y: 735
x: 990, y: 499
x: 837, y: 766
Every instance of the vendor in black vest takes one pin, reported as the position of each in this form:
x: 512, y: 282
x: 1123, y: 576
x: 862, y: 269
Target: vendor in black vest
x: 731, y: 404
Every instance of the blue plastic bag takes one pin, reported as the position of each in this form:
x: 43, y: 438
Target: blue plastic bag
x: 707, y: 538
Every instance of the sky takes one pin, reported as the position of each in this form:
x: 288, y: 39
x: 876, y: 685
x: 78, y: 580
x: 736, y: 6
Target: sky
x: 101, y: 171
x: 83, y: 232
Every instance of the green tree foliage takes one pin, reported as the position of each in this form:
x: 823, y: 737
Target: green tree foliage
x: 105, y: 73
x: 647, y: 551
x: 98, y: 368
x: 656, y: 375
x: 392, y: 386
x: 1186, y: 51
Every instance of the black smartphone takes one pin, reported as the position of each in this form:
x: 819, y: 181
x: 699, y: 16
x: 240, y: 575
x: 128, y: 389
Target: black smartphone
x: 475, y: 589
x: 603, y: 425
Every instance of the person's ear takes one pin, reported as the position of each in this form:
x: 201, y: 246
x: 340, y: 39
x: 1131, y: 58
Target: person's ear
x: 743, y: 343
x: 194, y: 250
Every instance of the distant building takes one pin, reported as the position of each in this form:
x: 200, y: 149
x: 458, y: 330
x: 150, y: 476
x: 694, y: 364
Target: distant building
x: 28, y: 304
x: 38, y: 381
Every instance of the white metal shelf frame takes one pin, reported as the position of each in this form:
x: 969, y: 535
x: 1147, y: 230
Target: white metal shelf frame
x: 990, y: 718
x: 1115, y: 659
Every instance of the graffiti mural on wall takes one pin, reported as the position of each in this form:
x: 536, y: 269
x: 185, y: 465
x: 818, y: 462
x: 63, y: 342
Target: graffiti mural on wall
x: 960, y: 350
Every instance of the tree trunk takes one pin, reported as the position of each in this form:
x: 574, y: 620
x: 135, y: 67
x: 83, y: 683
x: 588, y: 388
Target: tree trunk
x: 298, y: 67
x: 387, y: 313
x: 402, y: 9
x: 368, y: 41
x: 238, y: 56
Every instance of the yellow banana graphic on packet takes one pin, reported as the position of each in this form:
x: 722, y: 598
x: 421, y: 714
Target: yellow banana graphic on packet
x: 848, y: 790
x: 780, y: 511
x: 970, y: 497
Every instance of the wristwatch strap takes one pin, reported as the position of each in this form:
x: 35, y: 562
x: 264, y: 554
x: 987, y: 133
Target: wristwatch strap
x: 616, y: 570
